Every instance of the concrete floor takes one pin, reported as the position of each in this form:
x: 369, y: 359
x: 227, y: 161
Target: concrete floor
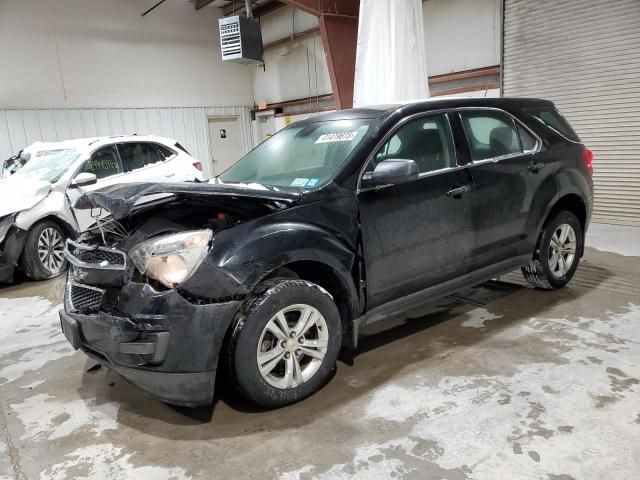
x: 503, y: 382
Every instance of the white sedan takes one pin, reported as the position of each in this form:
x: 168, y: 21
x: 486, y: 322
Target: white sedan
x: 36, y: 202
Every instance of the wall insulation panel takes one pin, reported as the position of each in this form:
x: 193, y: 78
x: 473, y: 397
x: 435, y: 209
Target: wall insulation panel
x: 187, y: 125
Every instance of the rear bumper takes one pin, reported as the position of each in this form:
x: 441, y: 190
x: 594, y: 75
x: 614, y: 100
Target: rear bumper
x: 158, y: 341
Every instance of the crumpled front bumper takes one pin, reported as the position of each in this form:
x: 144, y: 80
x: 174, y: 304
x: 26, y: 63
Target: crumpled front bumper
x: 158, y: 341
x: 6, y: 272
x: 12, y: 241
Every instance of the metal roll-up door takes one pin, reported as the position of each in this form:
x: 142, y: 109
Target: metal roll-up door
x: 584, y: 55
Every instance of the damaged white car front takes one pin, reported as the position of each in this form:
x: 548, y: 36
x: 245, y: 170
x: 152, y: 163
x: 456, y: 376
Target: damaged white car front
x: 35, y: 216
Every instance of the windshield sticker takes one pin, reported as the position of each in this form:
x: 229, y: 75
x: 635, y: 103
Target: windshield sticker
x: 312, y: 182
x: 299, y: 182
x: 337, y: 137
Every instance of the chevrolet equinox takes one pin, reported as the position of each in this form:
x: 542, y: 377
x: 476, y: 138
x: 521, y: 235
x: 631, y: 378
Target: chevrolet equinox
x: 334, y: 223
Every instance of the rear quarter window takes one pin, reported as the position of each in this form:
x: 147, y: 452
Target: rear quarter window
x: 554, y: 120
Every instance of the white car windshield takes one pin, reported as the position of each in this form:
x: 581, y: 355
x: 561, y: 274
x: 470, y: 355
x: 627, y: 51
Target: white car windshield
x: 302, y: 156
x: 48, y: 165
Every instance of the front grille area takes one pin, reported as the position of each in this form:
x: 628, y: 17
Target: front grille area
x: 99, y: 256
x: 95, y: 257
x: 84, y: 299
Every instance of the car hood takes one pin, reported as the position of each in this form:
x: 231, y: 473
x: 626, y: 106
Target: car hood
x: 19, y: 193
x: 120, y: 200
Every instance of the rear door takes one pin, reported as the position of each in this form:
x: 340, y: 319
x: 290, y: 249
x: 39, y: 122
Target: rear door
x: 507, y: 169
x: 417, y: 234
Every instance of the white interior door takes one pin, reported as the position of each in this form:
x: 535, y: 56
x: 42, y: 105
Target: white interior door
x: 225, y: 142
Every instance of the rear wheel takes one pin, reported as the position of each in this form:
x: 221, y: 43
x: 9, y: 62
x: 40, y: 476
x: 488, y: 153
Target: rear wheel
x: 284, y: 346
x: 43, y: 255
x: 558, y: 254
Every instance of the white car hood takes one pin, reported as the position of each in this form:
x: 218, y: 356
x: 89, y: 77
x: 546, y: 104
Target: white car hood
x: 18, y: 193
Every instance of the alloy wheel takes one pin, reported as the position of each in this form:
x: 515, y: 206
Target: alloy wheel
x: 562, y: 250
x: 51, y: 250
x: 292, y: 346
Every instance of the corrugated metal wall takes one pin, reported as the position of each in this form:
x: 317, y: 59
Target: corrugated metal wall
x: 188, y: 125
x: 584, y: 55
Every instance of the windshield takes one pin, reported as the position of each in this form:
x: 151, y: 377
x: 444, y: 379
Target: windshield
x: 48, y: 165
x: 304, y: 156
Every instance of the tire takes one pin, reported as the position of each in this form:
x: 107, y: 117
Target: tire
x: 279, y: 354
x: 52, y: 264
x: 550, y: 267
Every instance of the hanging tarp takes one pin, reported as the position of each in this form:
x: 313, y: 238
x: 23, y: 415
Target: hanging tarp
x: 391, y: 63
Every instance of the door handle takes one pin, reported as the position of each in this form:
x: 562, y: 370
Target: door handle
x: 458, y: 191
x: 169, y: 175
x: 536, y: 167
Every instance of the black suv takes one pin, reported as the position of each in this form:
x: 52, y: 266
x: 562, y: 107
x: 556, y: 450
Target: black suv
x: 333, y: 223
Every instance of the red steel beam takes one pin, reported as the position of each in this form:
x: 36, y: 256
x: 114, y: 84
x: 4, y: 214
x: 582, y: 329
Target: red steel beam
x: 339, y: 30
x: 340, y: 37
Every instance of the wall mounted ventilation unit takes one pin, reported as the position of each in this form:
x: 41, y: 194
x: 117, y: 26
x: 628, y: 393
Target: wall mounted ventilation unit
x: 240, y: 39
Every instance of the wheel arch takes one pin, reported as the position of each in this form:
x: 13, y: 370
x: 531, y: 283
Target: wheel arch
x: 339, y: 286
x: 68, y: 230
x: 571, y: 202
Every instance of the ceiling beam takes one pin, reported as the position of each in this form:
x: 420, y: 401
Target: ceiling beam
x: 202, y: 3
x: 350, y: 8
x: 258, y: 11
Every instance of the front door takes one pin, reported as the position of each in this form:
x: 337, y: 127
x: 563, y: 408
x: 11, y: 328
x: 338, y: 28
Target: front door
x: 417, y: 234
x: 225, y: 142
x: 106, y: 164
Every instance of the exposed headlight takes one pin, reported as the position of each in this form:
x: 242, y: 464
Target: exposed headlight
x: 172, y: 259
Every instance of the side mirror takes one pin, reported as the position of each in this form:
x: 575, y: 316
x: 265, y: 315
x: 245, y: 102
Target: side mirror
x: 83, y: 179
x: 392, y: 172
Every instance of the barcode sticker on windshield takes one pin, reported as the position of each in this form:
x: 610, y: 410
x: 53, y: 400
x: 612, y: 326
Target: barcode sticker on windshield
x: 337, y: 137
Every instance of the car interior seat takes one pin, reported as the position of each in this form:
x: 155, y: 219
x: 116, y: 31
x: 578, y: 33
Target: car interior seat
x: 425, y: 147
x: 501, y: 141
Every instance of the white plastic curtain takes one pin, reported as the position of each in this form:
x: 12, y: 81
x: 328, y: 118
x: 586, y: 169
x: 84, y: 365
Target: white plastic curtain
x: 391, y: 62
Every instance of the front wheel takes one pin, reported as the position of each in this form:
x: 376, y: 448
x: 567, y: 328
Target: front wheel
x: 284, y: 345
x: 558, y: 254
x: 43, y: 255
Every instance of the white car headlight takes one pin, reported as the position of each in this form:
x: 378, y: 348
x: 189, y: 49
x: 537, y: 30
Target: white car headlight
x: 172, y: 259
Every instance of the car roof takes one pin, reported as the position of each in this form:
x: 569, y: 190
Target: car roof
x: 89, y: 144
x: 413, y: 106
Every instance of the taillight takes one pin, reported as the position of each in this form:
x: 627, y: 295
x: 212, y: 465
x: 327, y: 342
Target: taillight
x: 588, y: 159
x: 198, y: 165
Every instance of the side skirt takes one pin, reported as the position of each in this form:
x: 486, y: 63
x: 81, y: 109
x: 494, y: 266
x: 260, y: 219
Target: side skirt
x: 423, y: 297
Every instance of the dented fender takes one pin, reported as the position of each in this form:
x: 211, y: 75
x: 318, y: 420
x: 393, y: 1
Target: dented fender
x: 243, y: 256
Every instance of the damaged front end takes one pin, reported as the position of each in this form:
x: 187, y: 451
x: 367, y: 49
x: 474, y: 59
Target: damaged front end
x: 12, y: 240
x: 129, y: 303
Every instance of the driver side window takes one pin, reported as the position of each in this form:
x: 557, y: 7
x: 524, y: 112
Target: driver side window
x: 103, y: 163
x: 427, y: 140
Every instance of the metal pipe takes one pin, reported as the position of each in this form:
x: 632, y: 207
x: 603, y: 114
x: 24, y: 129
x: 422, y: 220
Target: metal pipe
x: 248, y: 8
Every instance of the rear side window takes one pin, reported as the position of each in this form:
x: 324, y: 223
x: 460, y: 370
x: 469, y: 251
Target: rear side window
x: 166, y: 153
x: 490, y: 134
x: 553, y: 119
x: 137, y: 155
x: 528, y: 141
